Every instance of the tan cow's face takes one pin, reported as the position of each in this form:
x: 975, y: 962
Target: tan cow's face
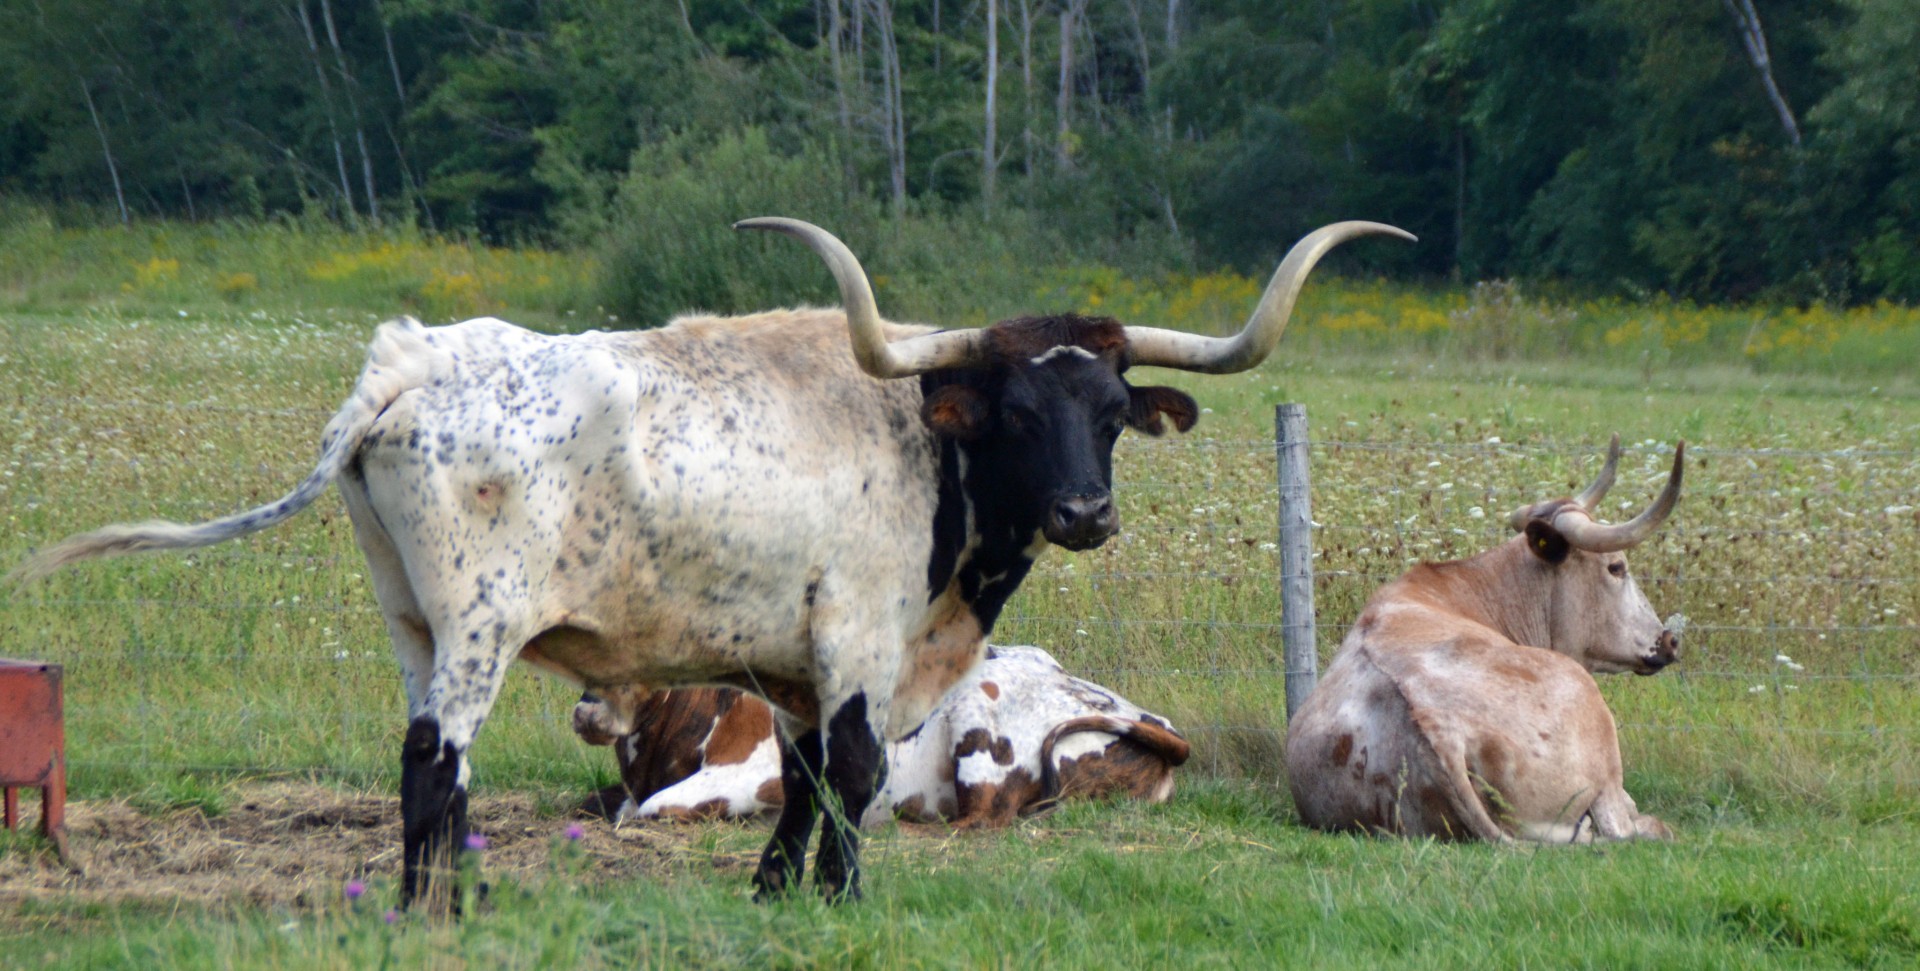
x: 1601, y: 619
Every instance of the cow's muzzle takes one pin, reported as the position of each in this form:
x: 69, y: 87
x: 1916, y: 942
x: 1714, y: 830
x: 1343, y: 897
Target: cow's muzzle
x: 1666, y: 650
x: 1082, y: 522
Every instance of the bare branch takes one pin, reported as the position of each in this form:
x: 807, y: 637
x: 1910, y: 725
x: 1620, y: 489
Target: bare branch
x: 1754, y: 38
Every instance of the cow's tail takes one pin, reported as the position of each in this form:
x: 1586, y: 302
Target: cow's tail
x: 1155, y: 737
x: 1463, y: 795
x: 398, y: 360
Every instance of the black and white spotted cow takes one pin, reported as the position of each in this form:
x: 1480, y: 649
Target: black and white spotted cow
x: 725, y: 501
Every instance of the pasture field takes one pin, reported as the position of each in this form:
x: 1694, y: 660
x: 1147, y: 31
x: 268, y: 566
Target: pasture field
x: 1782, y: 747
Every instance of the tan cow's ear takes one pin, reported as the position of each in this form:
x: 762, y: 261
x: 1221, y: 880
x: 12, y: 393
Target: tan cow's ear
x: 1546, y: 542
x: 1145, y: 406
x: 956, y: 411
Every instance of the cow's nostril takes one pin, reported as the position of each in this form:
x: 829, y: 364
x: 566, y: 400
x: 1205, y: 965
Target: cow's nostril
x: 1080, y: 522
x: 1069, y: 513
x: 1668, y: 645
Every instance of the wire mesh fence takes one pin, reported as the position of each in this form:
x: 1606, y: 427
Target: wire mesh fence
x: 1796, y: 572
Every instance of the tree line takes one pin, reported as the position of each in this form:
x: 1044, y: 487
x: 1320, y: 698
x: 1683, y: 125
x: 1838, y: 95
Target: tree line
x: 1710, y: 149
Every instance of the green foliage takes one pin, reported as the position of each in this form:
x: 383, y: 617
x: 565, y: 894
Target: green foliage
x: 234, y: 268
x: 668, y: 242
x: 1614, y: 146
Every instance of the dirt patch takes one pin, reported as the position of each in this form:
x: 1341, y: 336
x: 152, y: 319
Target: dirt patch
x: 298, y: 844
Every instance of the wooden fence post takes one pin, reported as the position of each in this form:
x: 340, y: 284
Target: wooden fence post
x: 1296, y: 554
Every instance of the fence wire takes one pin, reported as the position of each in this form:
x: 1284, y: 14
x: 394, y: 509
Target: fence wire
x: 1794, y: 570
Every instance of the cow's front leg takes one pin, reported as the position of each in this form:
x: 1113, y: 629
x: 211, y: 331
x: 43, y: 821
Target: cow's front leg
x: 856, y: 767
x: 784, y: 861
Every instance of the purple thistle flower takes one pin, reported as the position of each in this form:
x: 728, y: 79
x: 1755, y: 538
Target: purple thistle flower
x: 355, y: 889
x: 476, y: 841
x: 574, y: 832
x: 393, y: 917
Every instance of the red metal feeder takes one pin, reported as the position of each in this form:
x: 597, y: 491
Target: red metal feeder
x: 33, y: 744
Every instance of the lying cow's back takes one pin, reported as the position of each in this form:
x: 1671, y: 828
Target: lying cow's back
x: 1020, y: 732
x: 1420, y: 726
x: 1438, y: 716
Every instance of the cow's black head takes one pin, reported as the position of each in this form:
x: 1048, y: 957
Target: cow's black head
x: 1037, y: 423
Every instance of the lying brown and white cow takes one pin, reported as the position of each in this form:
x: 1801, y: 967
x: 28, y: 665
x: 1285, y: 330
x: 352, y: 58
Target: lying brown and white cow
x: 1461, y: 705
x: 1012, y: 737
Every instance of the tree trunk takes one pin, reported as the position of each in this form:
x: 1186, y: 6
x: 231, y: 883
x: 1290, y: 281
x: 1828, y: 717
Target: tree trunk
x: 326, y: 99
x: 990, y: 156
x: 893, y: 114
x: 836, y: 30
x: 113, y: 169
x: 1027, y: 139
x: 1063, y: 101
x: 1754, y: 38
x: 348, y: 84
x: 186, y: 190
x: 1459, y: 200
x: 409, y: 183
x: 1141, y: 50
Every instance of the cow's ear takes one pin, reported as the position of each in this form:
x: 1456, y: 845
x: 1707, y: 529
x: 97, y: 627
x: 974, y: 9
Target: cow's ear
x: 1145, y: 406
x: 956, y: 411
x: 1546, y: 542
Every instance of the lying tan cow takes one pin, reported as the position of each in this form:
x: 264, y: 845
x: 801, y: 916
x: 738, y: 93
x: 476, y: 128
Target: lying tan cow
x: 1436, y: 718
x: 1014, y: 736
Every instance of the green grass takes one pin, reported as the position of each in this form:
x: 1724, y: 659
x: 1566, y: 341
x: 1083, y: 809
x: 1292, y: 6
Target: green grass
x: 1218, y: 878
x: 1793, y: 789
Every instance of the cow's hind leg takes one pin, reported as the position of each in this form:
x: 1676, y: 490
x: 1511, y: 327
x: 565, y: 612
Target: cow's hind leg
x: 433, y: 808
x: 784, y: 861
x: 433, y: 758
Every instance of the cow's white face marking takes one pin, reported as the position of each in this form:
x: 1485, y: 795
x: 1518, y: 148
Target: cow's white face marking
x: 1063, y: 350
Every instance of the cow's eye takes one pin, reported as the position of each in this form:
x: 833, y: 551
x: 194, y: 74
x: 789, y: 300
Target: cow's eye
x: 1617, y: 569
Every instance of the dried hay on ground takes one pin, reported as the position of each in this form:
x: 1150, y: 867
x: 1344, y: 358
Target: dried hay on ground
x: 297, y: 844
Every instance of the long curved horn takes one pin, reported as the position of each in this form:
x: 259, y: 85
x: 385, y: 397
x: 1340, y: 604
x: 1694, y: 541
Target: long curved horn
x: 1159, y: 347
x: 900, y: 359
x: 1585, y: 534
x: 1589, y: 498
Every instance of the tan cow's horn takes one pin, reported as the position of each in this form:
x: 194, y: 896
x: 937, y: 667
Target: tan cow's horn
x: 1589, y: 498
x: 899, y: 359
x: 1158, y: 347
x: 1583, y: 533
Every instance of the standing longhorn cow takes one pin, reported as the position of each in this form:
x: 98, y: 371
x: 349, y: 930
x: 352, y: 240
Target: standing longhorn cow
x: 725, y: 501
x: 1437, y: 718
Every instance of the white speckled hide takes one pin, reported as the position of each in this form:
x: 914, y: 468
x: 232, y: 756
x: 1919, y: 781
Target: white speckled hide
x: 650, y: 508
